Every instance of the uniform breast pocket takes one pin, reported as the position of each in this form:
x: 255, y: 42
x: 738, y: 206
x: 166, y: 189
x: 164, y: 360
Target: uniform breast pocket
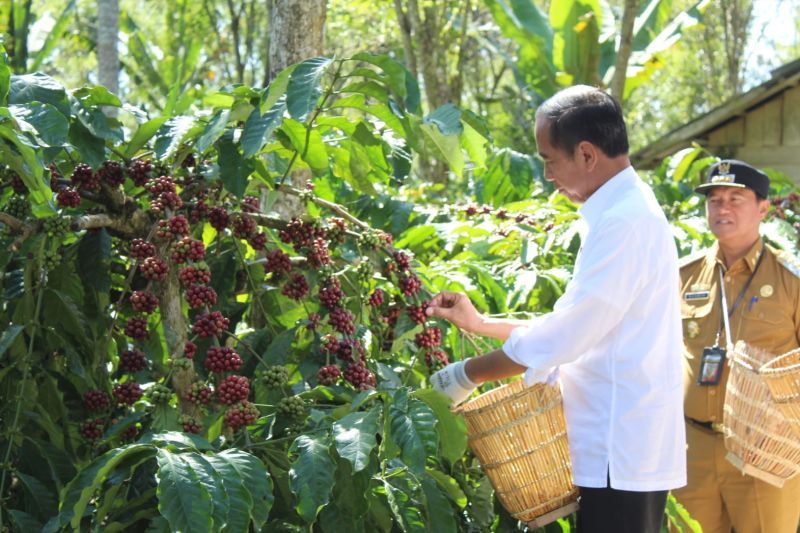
x: 767, y: 312
x: 768, y: 323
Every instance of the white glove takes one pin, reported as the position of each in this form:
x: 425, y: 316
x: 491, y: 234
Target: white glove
x: 452, y: 380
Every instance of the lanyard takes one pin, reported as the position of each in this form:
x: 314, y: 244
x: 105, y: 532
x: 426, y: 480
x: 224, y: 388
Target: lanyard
x: 728, y: 314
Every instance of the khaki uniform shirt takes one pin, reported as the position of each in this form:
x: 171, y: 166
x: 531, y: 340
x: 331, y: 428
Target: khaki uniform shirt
x: 768, y: 316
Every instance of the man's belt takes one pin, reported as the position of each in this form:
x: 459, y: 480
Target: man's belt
x: 711, y: 427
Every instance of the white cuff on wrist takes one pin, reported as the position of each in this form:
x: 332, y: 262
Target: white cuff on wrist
x: 460, y: 374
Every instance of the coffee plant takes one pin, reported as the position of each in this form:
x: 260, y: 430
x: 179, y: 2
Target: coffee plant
x: 177, y: 353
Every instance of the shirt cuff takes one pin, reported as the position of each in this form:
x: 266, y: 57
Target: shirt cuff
x: 510, y: 346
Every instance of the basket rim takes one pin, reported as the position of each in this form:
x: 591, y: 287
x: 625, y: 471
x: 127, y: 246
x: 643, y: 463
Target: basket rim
x: 525, y: 389
x: 768, y: 367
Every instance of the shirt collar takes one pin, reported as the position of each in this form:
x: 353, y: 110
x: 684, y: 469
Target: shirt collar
x: 750, y: 258
x: 593, y: 208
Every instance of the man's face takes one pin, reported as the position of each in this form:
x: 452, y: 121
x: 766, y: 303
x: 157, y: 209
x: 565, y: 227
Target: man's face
x: 560, y: 167
x: 735, y: 214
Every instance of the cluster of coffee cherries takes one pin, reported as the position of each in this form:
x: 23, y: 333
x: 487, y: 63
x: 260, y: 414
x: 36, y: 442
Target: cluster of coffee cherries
x: 502, y: 214
x: 101, y: 405
x: 429, y: 340
x: 277, y: 377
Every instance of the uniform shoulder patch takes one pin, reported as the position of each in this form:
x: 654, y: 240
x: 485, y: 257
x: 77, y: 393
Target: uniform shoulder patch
x: 789, y: 261
x: 692, y: 258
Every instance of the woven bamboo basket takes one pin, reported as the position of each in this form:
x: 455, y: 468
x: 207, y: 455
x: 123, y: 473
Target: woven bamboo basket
x: 759, y: 439
x: 519, y: 435
x: 782, y: 376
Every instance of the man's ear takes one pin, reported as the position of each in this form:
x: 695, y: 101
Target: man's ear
x: 587, y: 154
x: 763, y: 208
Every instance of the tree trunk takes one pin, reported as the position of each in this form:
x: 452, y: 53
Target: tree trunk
x: 107, y: 55
x: 736, y: 16
x: 296, y: 33
x: 624, y: 50
x: 429, y: 35
x: 18, y: 49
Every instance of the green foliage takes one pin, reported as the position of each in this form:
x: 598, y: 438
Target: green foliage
x: 353, y: 136
x: 578, y: 42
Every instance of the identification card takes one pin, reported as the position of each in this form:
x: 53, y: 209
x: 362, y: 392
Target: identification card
x: 711, y: 365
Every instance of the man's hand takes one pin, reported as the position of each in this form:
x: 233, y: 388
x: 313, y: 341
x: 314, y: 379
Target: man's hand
x: 457, y: 308
x: 453, y: 381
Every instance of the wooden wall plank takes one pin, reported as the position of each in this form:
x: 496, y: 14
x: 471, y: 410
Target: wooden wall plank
x: 791, y: 117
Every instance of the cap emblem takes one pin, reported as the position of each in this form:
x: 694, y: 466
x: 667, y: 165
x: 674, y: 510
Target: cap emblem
x: 724, y: 175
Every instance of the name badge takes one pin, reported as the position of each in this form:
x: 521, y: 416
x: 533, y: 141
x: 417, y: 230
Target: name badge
x: 696, y: 295
x: 711, y: 363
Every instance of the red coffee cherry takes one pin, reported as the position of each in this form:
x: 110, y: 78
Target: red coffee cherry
x: 68, y: 197
x: 132, y: 361
x: 436, y: 360
x: 93, y: 428
x: 241, y: 414
x: 166, y: 200
x: 429, y: 338
x: 233, y: 389
x: 144, y: 301
x: 199, y: 394
x: 251, y: 204
x: 192, y: 275
x: 258, y: 241
x: 210, y: 324
x: 96, y: 400
x: 331, y: 294
x: 200, y: 295
x: 139, y: 171
x: 222, y: 359
x: 376, y: 298
x: 342, y: 321
x: 188, y: 248
x: 218, y: 218
x: 111, y: 172
x: 154, y: 269
x: 158, y: 186
x: 136, y: 328
x: 127, y: 393
x: 296, y: 288
x: 350, y: 350
x: 329, y: 375
x: 317, y: 254
x: 359, y: 376
x: 402, y: 260
x: 83, y: 177
x: 189, y: 350
x: 17, y: 184
x: 190, y: 424
x: 278, y: 262
x: 417, y: 312
x: 244, y: 226
x: 141, y: 249
x: 410, y: 285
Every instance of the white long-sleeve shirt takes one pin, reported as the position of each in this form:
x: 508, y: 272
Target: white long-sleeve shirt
x: 615, y: 337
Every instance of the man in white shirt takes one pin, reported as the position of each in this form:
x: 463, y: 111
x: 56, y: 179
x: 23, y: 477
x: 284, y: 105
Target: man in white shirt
x: 613, y: 338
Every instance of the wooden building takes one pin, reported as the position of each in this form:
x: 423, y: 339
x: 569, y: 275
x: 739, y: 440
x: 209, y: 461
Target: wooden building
x: 761, y: 126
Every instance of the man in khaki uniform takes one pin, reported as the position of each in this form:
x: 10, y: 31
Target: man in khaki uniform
x: 762, y: 289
